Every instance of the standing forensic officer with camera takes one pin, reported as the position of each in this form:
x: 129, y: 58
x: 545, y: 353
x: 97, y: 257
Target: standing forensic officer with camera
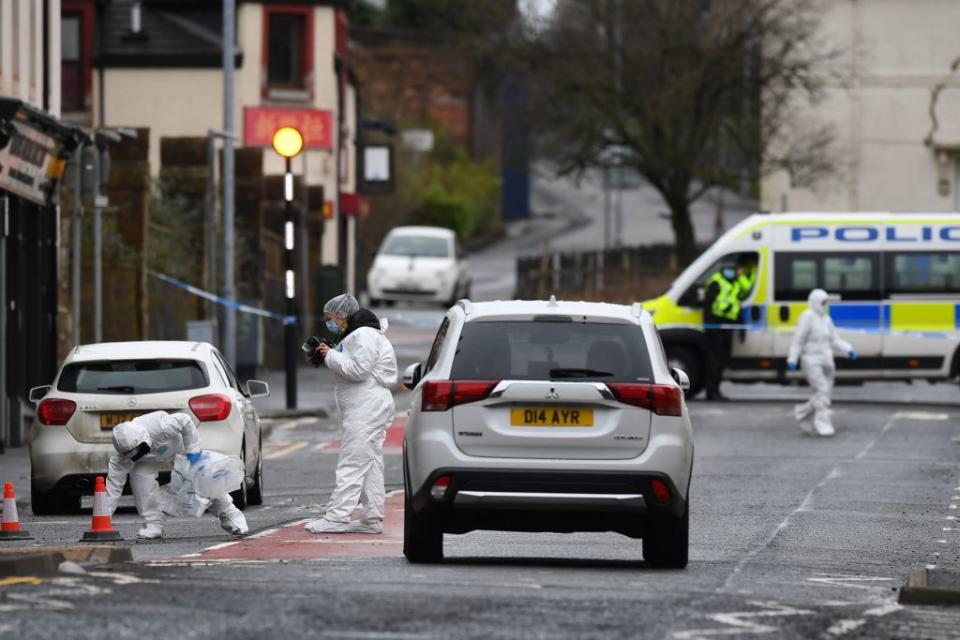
x: 364, y: 363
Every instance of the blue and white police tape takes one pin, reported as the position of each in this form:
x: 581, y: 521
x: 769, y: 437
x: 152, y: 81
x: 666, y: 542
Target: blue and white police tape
x: 917, y: 333
x: 231, y: 304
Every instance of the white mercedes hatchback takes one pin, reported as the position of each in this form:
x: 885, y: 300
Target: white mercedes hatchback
x: 419, y: 264
x: 101, y: 385
x: 547, y: 416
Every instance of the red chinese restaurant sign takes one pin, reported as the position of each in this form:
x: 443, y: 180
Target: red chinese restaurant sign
x: 260, y: 123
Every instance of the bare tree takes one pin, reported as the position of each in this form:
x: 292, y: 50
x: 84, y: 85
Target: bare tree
x: 703, y: 93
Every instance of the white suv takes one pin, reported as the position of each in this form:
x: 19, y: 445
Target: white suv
x: 547, y: 416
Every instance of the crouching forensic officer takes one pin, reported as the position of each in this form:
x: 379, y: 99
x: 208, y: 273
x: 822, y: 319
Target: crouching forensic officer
x: 142, y: 446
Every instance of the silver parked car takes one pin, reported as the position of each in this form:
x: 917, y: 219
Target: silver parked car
x: 547, y: 416
x: 101, y: 385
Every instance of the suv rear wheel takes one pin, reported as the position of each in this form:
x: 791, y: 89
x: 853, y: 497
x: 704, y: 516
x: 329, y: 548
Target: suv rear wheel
x: 666, y: 544
x: 422, y: 538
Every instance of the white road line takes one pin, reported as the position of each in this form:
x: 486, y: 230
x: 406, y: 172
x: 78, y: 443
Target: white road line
x: 738, y: 623
x: 222, y: 545
x: 262, y: 534
x: 843, y: 627
x: 884, y: 610
x: 852, y: 582
x: 297, y: 523
x: 923, y: 415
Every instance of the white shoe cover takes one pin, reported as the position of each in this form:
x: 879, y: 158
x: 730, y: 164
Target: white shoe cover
x: 825, y: 430
x: 234, y: 522
x: 150, y: 532
x: 359, y: 526
x: 326, y: 526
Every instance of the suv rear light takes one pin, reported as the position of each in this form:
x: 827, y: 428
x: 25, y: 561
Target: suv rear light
x: 661, y: 399
x: 211, y: 407
x: 661, y: 492
x: 444, y: 394
x: 439, y: 488
x: 55, y: 411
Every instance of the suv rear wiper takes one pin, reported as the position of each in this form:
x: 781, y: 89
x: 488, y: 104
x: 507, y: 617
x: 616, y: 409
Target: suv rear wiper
x: 579, y: 373
x: 117, y: 388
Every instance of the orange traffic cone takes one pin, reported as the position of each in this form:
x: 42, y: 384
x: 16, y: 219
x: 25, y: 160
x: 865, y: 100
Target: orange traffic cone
x: 101, y: 526
x: 10, y: 523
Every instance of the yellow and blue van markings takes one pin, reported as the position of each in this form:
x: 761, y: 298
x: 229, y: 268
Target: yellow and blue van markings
x: 879, y: 317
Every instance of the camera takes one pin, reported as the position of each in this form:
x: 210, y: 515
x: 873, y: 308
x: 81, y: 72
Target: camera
x: 310, y: 352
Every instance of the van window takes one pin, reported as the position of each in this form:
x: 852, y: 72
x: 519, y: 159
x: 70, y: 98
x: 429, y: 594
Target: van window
x: 693, y: 296
x: 852, y: 276
x: 923, y: 272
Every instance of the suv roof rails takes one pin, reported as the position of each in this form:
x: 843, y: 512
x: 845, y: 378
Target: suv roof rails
x: 466, y: 305
x: 636, y: 309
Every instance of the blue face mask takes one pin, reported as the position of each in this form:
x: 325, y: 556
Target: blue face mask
x: 333, y: 327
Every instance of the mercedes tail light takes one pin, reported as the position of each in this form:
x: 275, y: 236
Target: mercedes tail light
x: 441, y: 395
x: 55, y: 411
x: 439, y: 488
x: 211, y: 407
x: 661, y: 399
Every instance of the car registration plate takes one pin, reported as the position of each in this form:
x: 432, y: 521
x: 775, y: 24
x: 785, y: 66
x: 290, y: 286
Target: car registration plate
x: 551, y: 417
x: 110, y: 420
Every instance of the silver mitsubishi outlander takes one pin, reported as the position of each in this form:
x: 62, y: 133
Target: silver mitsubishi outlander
x: 548, y: 416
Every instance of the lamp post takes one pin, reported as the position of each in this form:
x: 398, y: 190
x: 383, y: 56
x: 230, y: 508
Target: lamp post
x: 288, y: 142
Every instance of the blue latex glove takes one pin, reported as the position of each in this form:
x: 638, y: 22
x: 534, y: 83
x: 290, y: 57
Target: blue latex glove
x: 852, y: 354
x: 792, y: 366
x: 194, y: 457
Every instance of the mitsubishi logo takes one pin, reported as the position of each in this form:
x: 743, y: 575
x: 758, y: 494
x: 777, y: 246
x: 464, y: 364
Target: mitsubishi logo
x: 553, y: 395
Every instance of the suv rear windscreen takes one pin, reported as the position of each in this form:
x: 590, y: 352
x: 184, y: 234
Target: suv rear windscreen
x: 551, y: 350
x: 132, y: 376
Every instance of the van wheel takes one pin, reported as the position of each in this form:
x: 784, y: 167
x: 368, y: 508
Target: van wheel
x: 686, y: 358
x: 666, y: 544
x: 422, y: 538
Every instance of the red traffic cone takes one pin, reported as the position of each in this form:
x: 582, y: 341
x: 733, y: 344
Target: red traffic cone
x: 101, y: 526
x: 10, y: 523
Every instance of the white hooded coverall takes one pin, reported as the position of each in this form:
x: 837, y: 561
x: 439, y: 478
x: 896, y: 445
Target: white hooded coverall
x: 167, y: 435
x: 366, y: 367
x: 813, y: 345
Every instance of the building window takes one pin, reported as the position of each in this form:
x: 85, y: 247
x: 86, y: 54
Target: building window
x: 76, y: 52
x: 288, y: 52
x: 71, y: 72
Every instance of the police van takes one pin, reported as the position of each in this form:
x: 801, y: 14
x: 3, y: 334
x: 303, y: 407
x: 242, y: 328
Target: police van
x: 893, y: 280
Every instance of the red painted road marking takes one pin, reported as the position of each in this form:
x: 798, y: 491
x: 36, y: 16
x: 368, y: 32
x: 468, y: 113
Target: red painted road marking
x: 392, y: 443
x: 296, y: 543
